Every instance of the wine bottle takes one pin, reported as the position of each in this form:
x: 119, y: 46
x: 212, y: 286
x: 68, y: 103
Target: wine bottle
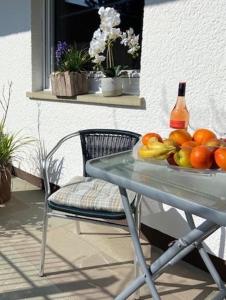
x: 179, y: 116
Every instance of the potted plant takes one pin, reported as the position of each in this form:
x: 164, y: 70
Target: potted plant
x: 69, y: 79
x: 101, y: 49
x: 10, y: 145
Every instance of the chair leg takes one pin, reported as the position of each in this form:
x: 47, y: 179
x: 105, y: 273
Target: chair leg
x: 78, y: 227
x: 44, y: 237
x: 137, y: 219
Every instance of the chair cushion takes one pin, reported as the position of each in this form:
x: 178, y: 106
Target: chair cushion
x: 90, y: 193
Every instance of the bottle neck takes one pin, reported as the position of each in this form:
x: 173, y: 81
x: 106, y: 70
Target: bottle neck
x: 180, y: 101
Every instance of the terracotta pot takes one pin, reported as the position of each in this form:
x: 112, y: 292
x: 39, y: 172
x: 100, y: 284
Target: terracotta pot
x: 111, y: 86
x: 5, y: 185
x: 69, y: 84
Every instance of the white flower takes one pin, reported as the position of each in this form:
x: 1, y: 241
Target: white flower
x: 130, y: 32
x: 109, y: 18
x: 131, y: 40
x: 132, y: 50
x: 99, y: 59
x: 99, y: 35
x: 114, y: 34
x: 124, y: 40
x: 107, y: 33
x: 97, y: 44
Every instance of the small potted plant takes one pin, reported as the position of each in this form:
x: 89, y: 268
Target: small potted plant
x: 101, y: 49
x: 70, y: 79
x: 10, y: 145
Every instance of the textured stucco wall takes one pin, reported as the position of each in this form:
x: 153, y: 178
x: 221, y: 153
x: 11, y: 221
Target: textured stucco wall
x: 182, y: 40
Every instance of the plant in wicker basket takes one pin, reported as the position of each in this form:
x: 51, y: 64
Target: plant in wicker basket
x: 70, y: 79
x: 10, y: 145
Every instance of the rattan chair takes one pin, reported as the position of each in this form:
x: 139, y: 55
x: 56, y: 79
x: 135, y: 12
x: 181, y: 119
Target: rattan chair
x: 85, y: 198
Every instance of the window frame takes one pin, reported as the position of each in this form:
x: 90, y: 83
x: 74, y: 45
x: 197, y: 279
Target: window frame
x: 48, y: 41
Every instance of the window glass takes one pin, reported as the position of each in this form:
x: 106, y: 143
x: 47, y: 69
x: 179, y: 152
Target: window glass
x: 76, y: 21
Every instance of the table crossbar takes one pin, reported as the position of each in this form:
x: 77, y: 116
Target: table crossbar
x: 175, y: 253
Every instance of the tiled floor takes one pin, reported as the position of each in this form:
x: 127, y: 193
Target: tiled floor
x: 96, y: 264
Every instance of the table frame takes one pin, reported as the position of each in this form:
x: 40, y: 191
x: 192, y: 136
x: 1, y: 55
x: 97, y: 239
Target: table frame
x: 172, y: 255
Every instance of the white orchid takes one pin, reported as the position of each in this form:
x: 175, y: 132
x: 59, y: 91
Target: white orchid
x: 107, y: 34
x: 97, y: 44
x: 109, y: 18
x: 99, y: 59
x: 131, y: 40
x: 114, y: 34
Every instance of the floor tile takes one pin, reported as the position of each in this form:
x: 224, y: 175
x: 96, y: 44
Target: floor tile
x: 96, y: 264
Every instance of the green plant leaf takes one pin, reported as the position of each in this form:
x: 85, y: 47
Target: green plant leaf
x: 74, y: 60
x: 115, y: 71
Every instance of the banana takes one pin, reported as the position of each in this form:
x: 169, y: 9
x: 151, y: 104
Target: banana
x: 169, y: 142
x: 160, y: 148
x: 156, y: 150
x: 162, y: 157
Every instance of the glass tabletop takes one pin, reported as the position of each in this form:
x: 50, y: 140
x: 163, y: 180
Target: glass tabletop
x: 201, y: 193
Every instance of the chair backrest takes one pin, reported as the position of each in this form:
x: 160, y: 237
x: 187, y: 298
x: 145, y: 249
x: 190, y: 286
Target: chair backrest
x: 99, y: 142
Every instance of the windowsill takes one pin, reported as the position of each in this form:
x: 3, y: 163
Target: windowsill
x: 95, y: 99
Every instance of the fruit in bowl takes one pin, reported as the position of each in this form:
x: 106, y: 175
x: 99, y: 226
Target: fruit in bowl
x: 152, y: 146
x: 189, y: 144
x: 180, y: 136
x: 200, y: 150
x: 169, y: 142
x: 202, y: 135
x: 182, y: 157
x: 220, y: 158
x: 151, y: 136
x: 170, y: 159
x: 201, y: 157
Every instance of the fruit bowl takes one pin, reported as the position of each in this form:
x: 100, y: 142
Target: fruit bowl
x: 201, y: 152
x: 169, y: 167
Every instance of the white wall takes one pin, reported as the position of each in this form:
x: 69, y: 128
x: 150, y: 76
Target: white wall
x: 182, y: 40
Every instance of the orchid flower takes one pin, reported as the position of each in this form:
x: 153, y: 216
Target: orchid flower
x: 105, y: 36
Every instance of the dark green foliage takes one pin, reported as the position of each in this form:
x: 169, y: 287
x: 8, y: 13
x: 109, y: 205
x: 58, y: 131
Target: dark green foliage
x: 74, y: 61
x: 114, y: 71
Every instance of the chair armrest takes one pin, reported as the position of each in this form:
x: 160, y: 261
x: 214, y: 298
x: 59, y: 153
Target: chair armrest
x: 45, y: 162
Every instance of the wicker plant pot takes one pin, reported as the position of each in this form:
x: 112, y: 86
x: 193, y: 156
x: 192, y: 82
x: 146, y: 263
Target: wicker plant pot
x: 5, y: 185
x: 69, y: 84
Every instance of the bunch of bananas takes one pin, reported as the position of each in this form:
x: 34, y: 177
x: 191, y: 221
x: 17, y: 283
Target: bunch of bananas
x: 156, y: 149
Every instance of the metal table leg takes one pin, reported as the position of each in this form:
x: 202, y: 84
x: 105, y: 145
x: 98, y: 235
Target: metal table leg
x: 174, y: 254
x: 205, y: 257
x: 137, y: 247
x: 137, y: 218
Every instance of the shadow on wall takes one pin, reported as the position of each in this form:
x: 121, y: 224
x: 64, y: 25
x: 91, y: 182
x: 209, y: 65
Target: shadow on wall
x: 14, y: 17
x: 40, y: 153
x: 172, y: 223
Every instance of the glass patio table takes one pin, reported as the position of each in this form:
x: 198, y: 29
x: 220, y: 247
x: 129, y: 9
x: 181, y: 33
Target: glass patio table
x: 201, y: 193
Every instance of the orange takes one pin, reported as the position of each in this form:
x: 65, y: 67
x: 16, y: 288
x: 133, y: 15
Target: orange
x: 180, y: 136
x: 201, y: 157
x: 202, y: 136
x: 220, y: 157
x: 149, y: 135
x: 189, y: 144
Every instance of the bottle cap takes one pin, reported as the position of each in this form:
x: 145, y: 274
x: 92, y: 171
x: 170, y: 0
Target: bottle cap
x: 181, y: 88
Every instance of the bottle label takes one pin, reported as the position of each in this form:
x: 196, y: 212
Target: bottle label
x: 177, y: 124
